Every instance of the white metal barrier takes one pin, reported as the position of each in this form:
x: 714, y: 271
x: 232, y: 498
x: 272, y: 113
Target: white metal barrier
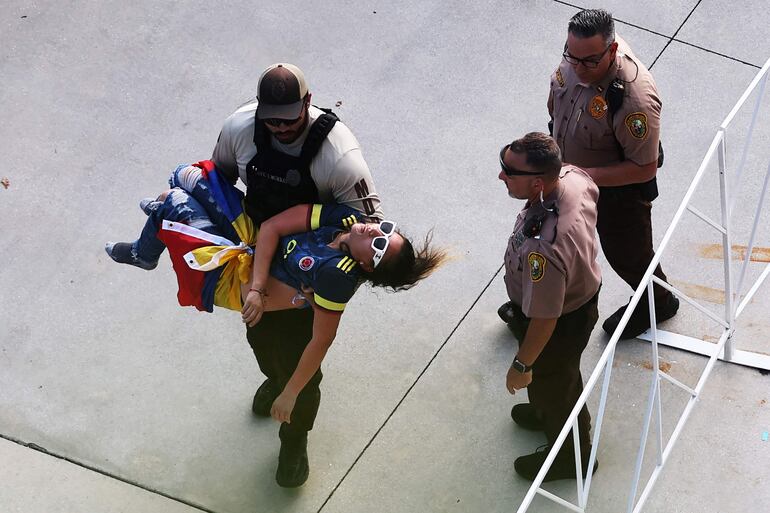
x: 722, y: 350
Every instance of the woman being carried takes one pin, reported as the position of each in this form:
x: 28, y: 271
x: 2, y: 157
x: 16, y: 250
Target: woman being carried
x: 326, y: 250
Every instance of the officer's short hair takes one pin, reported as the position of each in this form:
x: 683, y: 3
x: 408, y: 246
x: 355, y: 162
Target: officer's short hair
x: 589, y: 22
x: 542, y: 153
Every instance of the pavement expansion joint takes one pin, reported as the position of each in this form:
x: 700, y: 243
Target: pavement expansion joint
x: 41, y: 449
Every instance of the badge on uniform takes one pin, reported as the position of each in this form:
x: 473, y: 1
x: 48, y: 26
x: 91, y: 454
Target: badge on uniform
x: 636, y: 123
x: 559, y: 78
x: 598, y: 107
x: 536, y: 266
x: 306, y: 263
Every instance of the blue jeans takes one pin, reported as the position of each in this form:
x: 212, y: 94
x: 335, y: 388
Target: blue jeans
x: 190, y: 202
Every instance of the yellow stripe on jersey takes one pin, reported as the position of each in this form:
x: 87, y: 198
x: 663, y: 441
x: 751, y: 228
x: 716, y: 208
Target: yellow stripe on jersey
x: 329, y: 305
x: 349, y: 221
x: 346, y: 264
x: 315, y: 217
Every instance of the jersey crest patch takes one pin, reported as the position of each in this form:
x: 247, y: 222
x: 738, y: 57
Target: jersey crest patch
x: 636, y: 123
x: 306, y: 263
x: 536, y: 266
x: 559, y: 78
x: 598, y: 107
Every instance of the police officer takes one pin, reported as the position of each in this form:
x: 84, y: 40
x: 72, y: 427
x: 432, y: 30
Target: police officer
x: 553, y: 280
x: 605, y: 111
x: 289, y: 152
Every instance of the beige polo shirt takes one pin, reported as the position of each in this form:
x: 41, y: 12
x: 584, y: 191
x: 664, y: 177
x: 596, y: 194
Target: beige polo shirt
x: 587, y: 133
x: 555, y: 271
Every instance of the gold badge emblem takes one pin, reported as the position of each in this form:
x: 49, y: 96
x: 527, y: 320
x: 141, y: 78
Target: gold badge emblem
x: 536, y: 266
x: 598, y: 107
x: 559, y: 78
x: 636, y: 123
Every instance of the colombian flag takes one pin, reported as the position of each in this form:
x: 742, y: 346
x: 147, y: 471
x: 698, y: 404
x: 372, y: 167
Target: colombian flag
x: 209, y: 267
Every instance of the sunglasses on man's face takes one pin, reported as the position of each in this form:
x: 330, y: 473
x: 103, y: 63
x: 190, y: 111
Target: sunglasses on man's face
x: 510, y: 171
x: 381, y: 242
x: 277, y: 122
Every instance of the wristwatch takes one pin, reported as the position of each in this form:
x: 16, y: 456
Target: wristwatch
x: 519, y: 366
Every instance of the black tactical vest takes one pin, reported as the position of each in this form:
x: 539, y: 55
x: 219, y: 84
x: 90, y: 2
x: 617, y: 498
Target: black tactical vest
x: 277, y: 181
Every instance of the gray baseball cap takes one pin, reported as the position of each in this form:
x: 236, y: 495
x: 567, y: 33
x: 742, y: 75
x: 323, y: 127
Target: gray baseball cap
x: 281, y: 92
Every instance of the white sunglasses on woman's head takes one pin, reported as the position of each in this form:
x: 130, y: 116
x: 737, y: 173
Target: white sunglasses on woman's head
x: 380, y: 243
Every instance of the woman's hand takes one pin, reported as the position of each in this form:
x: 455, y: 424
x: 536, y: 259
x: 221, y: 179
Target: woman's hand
x: 283, y: 406
x: 253, y: 307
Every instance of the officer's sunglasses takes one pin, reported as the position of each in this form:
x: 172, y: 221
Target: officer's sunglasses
x: 509, y: 171
x: 380, y: 243
x: 589, y: 62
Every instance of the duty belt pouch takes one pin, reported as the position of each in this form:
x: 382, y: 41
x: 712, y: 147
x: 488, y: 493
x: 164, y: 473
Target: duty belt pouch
x: 649, y: 189
x: 520, y: 323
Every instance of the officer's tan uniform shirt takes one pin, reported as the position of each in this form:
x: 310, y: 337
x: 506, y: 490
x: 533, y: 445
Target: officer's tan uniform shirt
x: 587, y: 133
x: 556, y: 272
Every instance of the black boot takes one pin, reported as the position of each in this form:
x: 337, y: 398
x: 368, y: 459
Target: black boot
x: 293, y: 467
x: 526, y: 416
x: 263, y: 399
x: 506, y: 312
x: 665, y: 308
x: 562, y: 468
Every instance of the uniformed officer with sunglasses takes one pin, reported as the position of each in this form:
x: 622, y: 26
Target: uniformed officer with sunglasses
x: 605, y: 114
x: 553, y: 280
x: 288, y: 152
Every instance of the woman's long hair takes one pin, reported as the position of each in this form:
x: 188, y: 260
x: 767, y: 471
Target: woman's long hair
x: 406, y: 268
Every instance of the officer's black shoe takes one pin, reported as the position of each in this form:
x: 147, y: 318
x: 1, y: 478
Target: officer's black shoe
x: 263, y: 399
x: 526, y: 416
x: 293, y: 467
x: 562, y: 468
x: 666, y: 308
x: 123, y: 253
x: 506, y: 312
x: 639, y: 322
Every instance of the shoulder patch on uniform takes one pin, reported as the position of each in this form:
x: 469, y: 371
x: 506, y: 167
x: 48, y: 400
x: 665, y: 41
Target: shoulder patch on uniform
x: 306, y: 263
x: 559, y: 77
x: 636, y: 122
x: 536, y: 266
x: 598, y: 107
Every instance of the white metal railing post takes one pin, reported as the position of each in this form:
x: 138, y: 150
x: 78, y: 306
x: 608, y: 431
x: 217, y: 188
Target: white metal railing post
x: 578, y: 463
x: 726, y: 243
x: 599, y: 421
x: 653, y: 399
x: 749, y: 136
x: 656, y: 369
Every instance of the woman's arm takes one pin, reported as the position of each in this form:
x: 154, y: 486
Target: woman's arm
x: 325, y: 325
x: 292, y: 220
